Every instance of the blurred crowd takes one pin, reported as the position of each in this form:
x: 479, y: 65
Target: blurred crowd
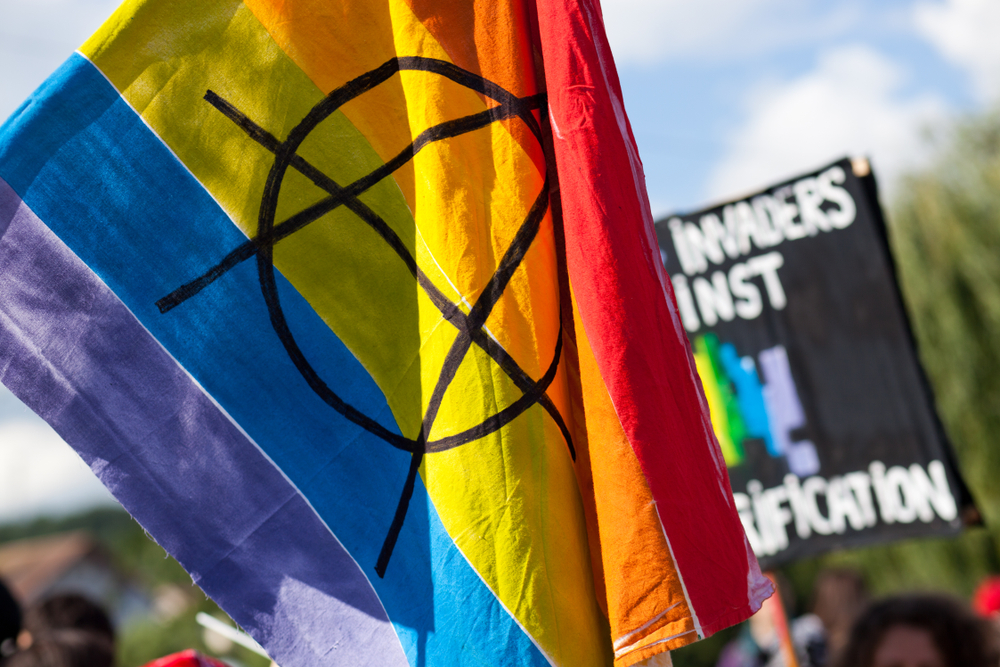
x: 845, y: 628
x: 67, y: 630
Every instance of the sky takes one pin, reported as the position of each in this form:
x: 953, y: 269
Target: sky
x: 724, y: 96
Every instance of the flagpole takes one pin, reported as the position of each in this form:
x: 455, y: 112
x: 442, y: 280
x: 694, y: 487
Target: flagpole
x: 780, y: 619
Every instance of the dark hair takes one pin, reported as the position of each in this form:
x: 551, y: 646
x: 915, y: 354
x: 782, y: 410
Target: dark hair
x: 65, y: 648
x: 962, y: 639
x: 69, y: 611
x: 10, y: 615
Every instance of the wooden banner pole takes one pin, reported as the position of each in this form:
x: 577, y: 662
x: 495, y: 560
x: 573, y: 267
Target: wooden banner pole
x: 779, y: 617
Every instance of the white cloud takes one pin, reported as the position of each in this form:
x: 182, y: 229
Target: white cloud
x: 967, y: 33
x: 36, y: 36
x: 40, y: 474
x: 12, y: 408
x: 648, y: 31
x: 644, y: 30
x: 849, y: 104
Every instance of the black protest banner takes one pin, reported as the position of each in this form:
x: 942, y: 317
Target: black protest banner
x: 809, y: 367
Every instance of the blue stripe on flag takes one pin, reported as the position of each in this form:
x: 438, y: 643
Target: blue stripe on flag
x: 107, y: 186
x: 85, y: 364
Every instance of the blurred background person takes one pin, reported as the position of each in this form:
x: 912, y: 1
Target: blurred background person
x: 69, y: 611
x: 65, y: 648
x: 919, y: 631
x: 759, y: 643
x: 839, y: 597
x: 10, y: 622
x: 64, y: 630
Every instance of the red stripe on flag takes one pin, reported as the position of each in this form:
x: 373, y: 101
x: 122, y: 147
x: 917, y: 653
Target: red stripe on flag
x: 636, y: 335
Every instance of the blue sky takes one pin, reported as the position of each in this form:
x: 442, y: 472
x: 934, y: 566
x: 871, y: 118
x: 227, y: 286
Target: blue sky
x: 725, y: 96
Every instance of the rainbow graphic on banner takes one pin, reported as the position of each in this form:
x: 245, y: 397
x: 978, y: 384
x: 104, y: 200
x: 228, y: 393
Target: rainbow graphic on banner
x: 744, y: 408
x: 287, y: 276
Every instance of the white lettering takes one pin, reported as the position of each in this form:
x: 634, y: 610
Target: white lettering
x: 846, y: 211
x: 740, y: 226
x: 944, y: 503
x: 886, y: 501
x: 723, y: 232
x: 791, y: 212
x: 690, y: 262
x: 933, y: 491
x: 685, y: 302
x: 810, y: 206
x: 779, y: 515
x: 714, y: 300
x: 762, y: 516
x: 784, y: 212
x: 903, y: 495
x: 747, y: 228
x: 748, y: 302
x: 746, y: 518
x: 705, y: 241
x: 897, y: 480
x: 721, y: 235
x: 812, y: 487
x: 766, y: 266
x: 798, y: 502
x: 861, y: 485
x: 768, y: 234
x: 841, y: 504
x: 723, y: 298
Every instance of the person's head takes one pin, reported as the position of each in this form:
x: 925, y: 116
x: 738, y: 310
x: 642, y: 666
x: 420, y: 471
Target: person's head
x: 69, y: 611
x: 839, y: 595
x: 65, y: 648
x: 10, y: 621
x: 918, y: 631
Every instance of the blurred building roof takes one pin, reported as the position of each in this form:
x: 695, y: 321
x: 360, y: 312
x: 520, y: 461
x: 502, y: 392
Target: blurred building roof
x: 33, y: 568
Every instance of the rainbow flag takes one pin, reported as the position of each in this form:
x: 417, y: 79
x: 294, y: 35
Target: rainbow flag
x: 357, y: 308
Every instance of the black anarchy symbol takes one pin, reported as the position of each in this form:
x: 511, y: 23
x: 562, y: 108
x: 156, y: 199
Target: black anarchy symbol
x: 470, y: 326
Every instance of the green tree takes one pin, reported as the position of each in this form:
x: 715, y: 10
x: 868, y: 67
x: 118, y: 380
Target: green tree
x: 945, y: 229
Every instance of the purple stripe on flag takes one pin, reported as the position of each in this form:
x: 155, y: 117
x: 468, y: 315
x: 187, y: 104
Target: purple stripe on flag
x: 75, y: 354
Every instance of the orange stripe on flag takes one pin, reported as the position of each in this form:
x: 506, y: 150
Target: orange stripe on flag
x: 645, y: 597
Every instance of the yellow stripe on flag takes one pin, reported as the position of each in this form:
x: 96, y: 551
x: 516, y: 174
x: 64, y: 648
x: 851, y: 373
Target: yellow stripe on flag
x: 509, y: 500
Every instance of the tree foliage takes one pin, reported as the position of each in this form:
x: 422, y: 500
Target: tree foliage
x: 945, y: 227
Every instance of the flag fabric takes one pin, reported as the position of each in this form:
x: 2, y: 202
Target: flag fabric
x: 357, y: 308
x: 186, y: 659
